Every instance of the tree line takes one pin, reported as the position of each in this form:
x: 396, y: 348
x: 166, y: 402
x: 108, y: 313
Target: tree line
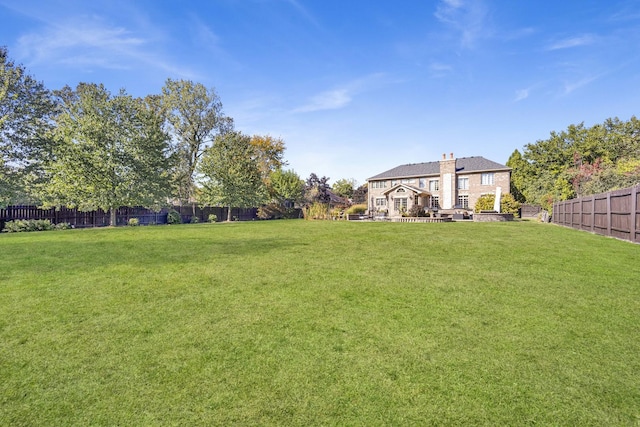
x: 578, y: 161
x: 88, y: 148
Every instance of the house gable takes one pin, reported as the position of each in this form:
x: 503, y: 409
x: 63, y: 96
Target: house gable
x: 406, y: 188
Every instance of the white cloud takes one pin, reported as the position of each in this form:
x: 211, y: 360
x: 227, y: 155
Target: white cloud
x: 304, y: 12
x: 54, y: 42
x: 342, y: 96
x: 466, y: 18
x: 440, y: 70
x: 583, y: 40
x: 521, y: 94
x: 572, y: 86
x: 330, y: 100
x: 87, y: 42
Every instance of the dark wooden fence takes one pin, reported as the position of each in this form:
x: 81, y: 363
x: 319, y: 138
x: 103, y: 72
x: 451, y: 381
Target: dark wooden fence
x: 100, y: 218
x: 529, y: 211
x: 615, y: 214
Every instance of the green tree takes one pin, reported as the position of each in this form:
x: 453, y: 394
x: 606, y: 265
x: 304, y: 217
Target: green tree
x: 344, y: 187
x: 287, y: 187
x: 360, y: 194
x: 269, y: 154
x: 519, y: 170
x: 231, y: 173
x: 195, y: 118
x: 109, y: 151
x: 577, y: 162
x: 26, y: 107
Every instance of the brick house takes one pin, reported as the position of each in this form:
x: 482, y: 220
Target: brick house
x: 448, y: 186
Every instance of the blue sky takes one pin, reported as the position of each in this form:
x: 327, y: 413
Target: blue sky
x: 354, y: 87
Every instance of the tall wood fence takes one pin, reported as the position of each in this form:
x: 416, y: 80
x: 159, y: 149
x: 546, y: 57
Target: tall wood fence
x: 614, y: 214
x: 100, y: 218
x: 529, y: 211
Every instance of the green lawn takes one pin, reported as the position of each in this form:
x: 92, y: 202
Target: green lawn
x: 319, y: 323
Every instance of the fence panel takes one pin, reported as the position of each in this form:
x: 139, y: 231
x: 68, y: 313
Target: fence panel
x: 530, y: 211
x: 615, y: 214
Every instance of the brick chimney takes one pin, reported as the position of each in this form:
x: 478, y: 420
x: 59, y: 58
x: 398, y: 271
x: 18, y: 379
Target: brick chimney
x: 448, y: 181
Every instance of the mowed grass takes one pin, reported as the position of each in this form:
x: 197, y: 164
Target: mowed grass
x: 319, y: 323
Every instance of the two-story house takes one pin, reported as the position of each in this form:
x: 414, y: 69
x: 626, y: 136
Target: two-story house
x: 446, y: 185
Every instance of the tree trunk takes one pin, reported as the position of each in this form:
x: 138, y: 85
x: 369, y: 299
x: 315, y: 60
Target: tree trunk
x: 112, y: 217
x: 229, y: 214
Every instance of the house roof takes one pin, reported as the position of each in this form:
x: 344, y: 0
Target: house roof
x: 463, y: 164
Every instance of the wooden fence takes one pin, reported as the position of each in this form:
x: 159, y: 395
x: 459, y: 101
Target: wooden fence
x: 100, y: 218
x: 529, y: 211
x: 614, y: 214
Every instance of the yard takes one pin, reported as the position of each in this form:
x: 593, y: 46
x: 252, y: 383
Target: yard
x: 319, y: 323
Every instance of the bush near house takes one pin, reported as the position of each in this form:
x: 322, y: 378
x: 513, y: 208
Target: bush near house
x: 356, y: 209
x: 507, y: 204
x: 417, y: 211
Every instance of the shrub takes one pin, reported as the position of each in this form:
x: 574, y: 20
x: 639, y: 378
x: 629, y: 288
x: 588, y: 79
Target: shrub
x: 26, y: 225
x: 316, y: 211
x: 485, y: 203
x: 357, y: 209
x: 212, y: 218
x: 417, y: 210
x: 195, y: 219
x: 63, y: 226
x: 134, y: 222
x: 507, y: 204
x: 271, y: 211
x: 337, y: 213
x: 173, y: 217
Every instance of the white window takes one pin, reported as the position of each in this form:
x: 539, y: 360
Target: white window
x: 487, y: 178
x: 381, y: 201
x: 435, y: 202
x: 394, y: 182
x: 434, y: 185
x: 400, y: 203
x: 463, y: 201
x: 379, y: 184
x: 422, y: 182
x: 463, y: 183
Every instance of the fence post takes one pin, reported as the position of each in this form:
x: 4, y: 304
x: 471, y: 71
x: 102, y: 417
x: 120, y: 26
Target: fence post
x: 609, y: 213
x: 580, y: 222
x: 634, y: 212
x: 593, y: 213
x: 571, y: 214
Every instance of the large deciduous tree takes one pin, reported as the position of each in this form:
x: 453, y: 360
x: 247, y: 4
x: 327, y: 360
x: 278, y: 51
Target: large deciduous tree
x: 109, y: 151
x: 287, y: 187
x: 26, y: 107
x: 269, y: 152
x: 231, y: 173
x: 195, y: 118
